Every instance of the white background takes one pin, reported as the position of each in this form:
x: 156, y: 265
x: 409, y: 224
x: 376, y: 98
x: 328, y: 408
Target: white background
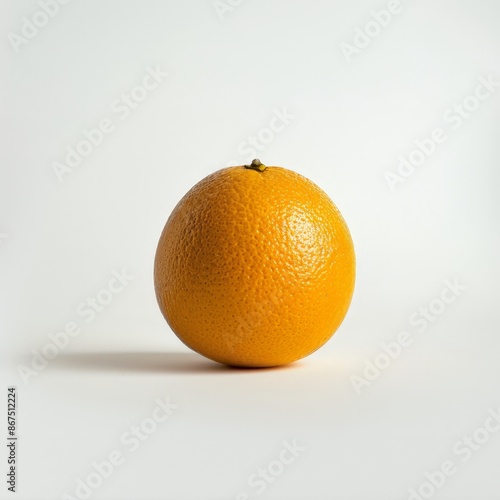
x: 61, y: 240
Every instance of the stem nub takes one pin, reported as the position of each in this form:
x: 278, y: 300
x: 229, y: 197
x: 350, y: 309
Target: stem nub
x: 256, y: 165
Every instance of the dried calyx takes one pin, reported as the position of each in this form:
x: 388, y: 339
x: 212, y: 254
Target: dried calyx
x: 256, y: 165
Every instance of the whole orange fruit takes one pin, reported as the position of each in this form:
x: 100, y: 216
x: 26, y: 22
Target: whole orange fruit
x: 255, y: 267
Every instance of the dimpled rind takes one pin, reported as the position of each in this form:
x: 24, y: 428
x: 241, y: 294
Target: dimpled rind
x: 255, y: 268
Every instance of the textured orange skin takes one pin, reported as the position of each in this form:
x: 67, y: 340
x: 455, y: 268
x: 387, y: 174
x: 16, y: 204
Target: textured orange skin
x: 255, y: 269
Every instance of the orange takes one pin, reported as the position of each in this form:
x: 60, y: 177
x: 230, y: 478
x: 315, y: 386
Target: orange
x: 255, y: 267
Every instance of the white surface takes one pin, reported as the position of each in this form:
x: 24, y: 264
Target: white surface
x: 61, y: 241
